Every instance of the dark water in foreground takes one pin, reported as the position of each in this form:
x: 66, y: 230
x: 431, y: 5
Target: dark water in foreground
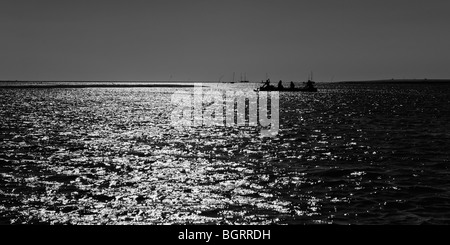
x: 350, y: 154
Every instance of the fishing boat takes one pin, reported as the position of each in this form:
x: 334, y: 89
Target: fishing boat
x: 308, y: 86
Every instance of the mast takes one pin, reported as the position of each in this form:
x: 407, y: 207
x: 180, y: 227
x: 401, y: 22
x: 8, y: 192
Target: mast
x: 310, y: 76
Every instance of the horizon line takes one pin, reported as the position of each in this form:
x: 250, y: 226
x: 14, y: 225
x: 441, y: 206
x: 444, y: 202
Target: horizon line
x: 199, y: 81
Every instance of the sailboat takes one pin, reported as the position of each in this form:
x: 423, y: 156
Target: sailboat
x: 245, y: 78
x: 233, y: 79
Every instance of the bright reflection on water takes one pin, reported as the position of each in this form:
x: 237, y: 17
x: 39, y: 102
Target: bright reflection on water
x: 358, y: 154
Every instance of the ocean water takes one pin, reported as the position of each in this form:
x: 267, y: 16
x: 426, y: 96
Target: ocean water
x: 349, y: 154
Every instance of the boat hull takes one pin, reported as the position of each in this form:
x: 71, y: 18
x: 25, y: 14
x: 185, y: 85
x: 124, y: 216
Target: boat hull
x: 310, y: 90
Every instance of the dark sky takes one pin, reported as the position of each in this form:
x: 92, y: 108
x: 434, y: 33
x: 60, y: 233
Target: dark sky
x: 205, y: 40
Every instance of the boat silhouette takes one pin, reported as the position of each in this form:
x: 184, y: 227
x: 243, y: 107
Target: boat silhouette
x: 308, y: 87
x: 245, y: 79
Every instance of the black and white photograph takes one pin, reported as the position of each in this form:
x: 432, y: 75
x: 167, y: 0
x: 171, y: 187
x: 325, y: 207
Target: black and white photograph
x: 224, y: 113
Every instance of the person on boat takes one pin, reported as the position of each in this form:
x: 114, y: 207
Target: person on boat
x: 266, y: 84
x: 280, y: 85
x: 292, y: 85
x: 310, y: 84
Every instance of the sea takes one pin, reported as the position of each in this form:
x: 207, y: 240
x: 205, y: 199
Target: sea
x: 352, y: 153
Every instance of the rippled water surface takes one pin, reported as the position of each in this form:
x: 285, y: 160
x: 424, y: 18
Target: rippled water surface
x: 350, y: 154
